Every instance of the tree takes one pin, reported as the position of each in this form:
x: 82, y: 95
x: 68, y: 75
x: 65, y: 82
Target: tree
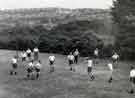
x: 123, y: 12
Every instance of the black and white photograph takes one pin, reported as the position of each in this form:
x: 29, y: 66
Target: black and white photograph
x: 67, y: 49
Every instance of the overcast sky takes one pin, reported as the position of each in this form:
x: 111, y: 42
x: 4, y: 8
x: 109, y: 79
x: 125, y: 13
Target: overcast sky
x: 13, y: 4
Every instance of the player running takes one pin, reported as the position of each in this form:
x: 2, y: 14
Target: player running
x: 36, y: 53
x: 132, y: 79
x: 14, y: 66
x: 70, y: 58
x: 76, y: 56
x: 51, y: 62
x: 89, y: 68
x: 110, y: 67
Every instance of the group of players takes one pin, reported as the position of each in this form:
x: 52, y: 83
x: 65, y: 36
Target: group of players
x: 30, y: 60
x: 33, y: 65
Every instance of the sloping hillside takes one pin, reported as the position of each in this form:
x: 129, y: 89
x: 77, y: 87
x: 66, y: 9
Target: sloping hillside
x: 50, y: 16
x: 53, y: 17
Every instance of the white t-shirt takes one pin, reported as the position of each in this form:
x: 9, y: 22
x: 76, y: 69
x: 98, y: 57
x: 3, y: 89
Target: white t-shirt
x: 36, y: 50
x: 70, y: 57
x: 110, y: 66
x: 132, y: 73
x: 96, y: 52
x: 76, y: 53
x: 90, y: 63
x: 24, y: 55
x: 51, y: 58
x: 30, y: 64
x: 115, y: 56
x: 38, y: 65
x: 28, y: 51
x: 14, y: 61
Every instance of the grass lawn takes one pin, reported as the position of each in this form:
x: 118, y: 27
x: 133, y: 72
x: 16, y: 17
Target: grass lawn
x: 63, y: 83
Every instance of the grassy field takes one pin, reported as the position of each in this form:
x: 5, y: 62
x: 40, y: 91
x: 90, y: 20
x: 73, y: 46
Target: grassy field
x: 63, y: 83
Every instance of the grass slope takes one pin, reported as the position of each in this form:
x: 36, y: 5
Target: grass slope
x: 63, y: 83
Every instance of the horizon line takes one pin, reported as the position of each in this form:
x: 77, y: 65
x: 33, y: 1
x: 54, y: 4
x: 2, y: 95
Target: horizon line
x: 2, y: 9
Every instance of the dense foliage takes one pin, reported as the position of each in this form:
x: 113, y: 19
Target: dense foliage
x: 62, y: 39
x: 123, y: 16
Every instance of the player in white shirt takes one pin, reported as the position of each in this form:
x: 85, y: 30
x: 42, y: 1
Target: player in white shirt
x: 71, y: 58
x: 110, y: 67
x: 38, y: 66
x: 89, y: 68
x: 96, y: 53
x: 76, y: 56
x: 115, y: 57
x: 30, y: 69
x: 28, y: 53
x: 24, y: 56
x: 14, y: 65
x: 52, y: 61
x: 132, y: 79
x: 36, y: 53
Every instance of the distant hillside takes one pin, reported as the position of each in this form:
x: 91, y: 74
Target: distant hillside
x: 95, y: 20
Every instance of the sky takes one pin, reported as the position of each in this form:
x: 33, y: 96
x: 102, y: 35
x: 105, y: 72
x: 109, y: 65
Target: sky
x: 15, y: 4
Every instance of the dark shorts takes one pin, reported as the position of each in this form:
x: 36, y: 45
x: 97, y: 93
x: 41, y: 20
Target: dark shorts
x: 89, y: 69
x: 14, y: 66
x: 29, y: 70
x: 70, y: 62
x: 23, y: 58
x: 37, y: 69
x: 51, y: 62
x: 29, y: 54
x: 132, y: 79
x: 76, y: 57
x: 114, y: 60
x: 95, y: 56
